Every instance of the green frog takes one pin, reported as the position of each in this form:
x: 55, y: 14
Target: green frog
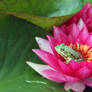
x: 68, y: 53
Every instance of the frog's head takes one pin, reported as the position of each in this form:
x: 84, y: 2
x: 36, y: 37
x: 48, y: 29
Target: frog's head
x: 60, y: 49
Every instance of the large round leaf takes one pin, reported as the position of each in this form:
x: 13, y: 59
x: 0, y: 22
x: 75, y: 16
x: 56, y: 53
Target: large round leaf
x: 17, y: 38
x: 38, y: 11
x: 48, y: 8
x: 44, y: 22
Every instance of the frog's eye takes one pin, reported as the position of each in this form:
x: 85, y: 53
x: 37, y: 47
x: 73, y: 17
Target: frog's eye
x: 61, y: 50
x: 72, y: 55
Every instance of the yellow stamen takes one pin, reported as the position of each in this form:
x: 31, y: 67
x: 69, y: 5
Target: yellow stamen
x: 85, y: 50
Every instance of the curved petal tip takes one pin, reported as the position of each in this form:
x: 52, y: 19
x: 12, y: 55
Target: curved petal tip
x: 75, y: 86
x: 38, y: 67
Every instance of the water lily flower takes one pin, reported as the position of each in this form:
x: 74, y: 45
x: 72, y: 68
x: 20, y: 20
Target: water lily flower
x: 68, y: 55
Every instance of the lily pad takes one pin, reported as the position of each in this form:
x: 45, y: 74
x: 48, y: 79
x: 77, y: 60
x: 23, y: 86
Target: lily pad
x: 16, y: 41
x: 39, y: 11
x: 46, y: 8
x: 43, y: 22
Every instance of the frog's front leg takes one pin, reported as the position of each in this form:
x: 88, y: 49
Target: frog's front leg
x: 67, y: 60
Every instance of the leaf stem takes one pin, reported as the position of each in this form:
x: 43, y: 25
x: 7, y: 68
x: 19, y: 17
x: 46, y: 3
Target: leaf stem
x: 69, y: 90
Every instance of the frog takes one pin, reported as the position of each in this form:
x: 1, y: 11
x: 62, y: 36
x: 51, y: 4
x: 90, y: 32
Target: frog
x: 68, y: 53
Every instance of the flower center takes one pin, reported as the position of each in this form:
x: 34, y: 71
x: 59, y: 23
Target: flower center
x: 85, y: 50
x: 69, y: 53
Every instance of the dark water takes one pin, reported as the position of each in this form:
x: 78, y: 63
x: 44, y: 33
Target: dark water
x: 88, y: 89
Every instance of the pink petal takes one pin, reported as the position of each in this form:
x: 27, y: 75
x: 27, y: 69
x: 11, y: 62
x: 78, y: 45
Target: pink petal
x: 88, y: 41
x: 90, y: 13
x: 90, y: 65
x: 71, y: 78
x: 81, y: 24
x: 60, y: 35
x: 65, y: 69
x: 90, y: 33
x: 68, y: 29
x: 62, y: 27
x: 53, y: 75
x: 75, y: 86
x: 83, y: 35
x: 44, y: 44
x: 48, y: 58
x: 38, y: 67
x: 73, y: 33
x: 83, y: 64
x: 83, y: 73
x: 74, y: 65
x: 58, y: 76
x: 53, y: 42
x: 88, y: 81
x: 47, y: 72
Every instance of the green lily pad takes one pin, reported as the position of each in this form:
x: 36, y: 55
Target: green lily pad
x: 38, y: 11
x: 16, y: 43
x: 47, y: 8
x: 43, y: 22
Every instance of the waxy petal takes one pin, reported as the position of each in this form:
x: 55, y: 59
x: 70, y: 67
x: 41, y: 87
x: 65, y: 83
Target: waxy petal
x: 88, y: 41
x: 59, y: 77
x: 74, y: 65
x: 47, y: 72
x: 60, y: 35
x: 73, y: 33
x: 83, y: 63
x: 81, y: 24
x: 65, y: 69
x: 83, y: 73
x: 88, y: 81
x: 38, y: 67
x: 89, y: 14
x: 50, y: 73
x: 44, y: 44
x: 53, y: 42
x: 53, y: 75
x: 90, y: 65
x: 75, y: 86
x: 71, y: 78
x: 83, y: 35
x: 48, y: 58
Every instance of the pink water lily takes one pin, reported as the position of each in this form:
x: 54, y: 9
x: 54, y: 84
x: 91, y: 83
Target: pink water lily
x: 75, y: 35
